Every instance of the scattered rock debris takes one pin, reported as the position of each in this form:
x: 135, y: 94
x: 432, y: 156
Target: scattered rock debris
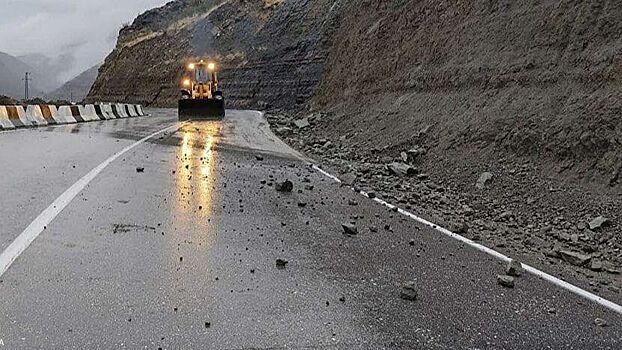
x: 484, y: 178
x: 302, y: 123
x: 598, y: 222
x: 409, y: 291
x: 281, y: 263
x: 514, y: 268
x: 350, y: 229
x: 596, y: 265
x: 285, y: 186
x: 600, y: 322
x: 574, y: 258
x: 506, y: 281
x: 504, y: 202
x: 401, y: 169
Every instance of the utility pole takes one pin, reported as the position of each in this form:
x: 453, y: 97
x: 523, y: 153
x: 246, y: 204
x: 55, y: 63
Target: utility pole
x: 26, y: 80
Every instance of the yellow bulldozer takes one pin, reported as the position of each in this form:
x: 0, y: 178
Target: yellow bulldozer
x: 200, y: 97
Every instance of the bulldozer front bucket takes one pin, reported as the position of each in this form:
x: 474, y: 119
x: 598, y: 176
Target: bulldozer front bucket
x: 208, y: 109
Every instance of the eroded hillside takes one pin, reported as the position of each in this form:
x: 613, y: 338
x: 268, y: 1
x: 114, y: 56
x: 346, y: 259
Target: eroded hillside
x: 537, y: 78
x: 271, y: 51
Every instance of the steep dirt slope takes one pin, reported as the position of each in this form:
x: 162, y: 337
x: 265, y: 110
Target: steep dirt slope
x: 537, y: 78
x: 271, y: 52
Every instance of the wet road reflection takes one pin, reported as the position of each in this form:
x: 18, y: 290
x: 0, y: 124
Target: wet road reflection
x: 196, y: 161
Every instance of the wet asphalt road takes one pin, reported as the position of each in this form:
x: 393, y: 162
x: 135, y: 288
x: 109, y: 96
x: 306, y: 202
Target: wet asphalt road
x: 182, y: 255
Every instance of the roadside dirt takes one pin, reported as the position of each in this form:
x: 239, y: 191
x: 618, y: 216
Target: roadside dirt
x: 524, y: 210
x: 524, y: 94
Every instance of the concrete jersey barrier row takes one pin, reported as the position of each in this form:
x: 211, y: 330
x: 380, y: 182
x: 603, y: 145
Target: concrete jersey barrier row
x: 5, y: 122
x: 12, y: 117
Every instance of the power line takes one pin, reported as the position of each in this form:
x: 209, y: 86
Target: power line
x: 26, y: 80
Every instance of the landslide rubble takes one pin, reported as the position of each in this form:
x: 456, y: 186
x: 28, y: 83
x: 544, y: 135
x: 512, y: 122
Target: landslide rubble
x: 544, y: 220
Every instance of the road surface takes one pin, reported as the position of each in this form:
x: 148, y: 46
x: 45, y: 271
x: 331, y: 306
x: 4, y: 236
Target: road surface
x: 181, y: 255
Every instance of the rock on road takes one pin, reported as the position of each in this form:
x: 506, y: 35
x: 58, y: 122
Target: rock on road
x: 174, y: 245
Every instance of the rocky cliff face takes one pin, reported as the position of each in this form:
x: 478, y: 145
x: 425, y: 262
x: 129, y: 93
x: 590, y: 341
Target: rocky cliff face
x: 272, y: 52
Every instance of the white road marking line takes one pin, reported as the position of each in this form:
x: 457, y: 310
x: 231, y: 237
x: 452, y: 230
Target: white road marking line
x: 534, y: 271
x: 19, y: 245
x: 332, y: 177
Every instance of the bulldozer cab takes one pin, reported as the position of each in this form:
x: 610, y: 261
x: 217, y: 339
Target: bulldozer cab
x: 201, y: 81
x: 202, y: 75
x: 201, y: 98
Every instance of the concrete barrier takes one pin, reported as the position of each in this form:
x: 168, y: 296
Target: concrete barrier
x: 104, y: 111
x: 124, y: 110
x: 75, y: 113
x: 117, y: 111
x: 12, y: 117
x: 88, y: 113
x: 137, y: 111
x: 91, y: 110
x: 100, y: 112
x: 5, y: 122
x: 140, y: 110
x: 17, y: 116
x: 34, y: 114
x: 113, y: 109
x: 48, y: 112
x: 131, y: 111
x: 65, y: 115
x: 108, y: 110
x: 120, y: 109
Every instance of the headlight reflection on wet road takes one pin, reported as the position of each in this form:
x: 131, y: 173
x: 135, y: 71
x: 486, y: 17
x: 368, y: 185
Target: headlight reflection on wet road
x: 195, y: 169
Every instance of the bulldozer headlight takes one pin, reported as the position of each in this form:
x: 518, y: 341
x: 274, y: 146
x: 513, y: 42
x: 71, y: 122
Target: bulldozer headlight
x: 187, y: 82
x: 211, y: 66
x: 191, y: 66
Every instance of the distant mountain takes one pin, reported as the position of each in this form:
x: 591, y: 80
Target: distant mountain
x: 12, y: 74
x: 50, y: 69
x: 77, y: 88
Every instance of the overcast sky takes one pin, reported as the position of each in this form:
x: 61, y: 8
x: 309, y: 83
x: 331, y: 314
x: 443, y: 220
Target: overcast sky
x: 85, y: 29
